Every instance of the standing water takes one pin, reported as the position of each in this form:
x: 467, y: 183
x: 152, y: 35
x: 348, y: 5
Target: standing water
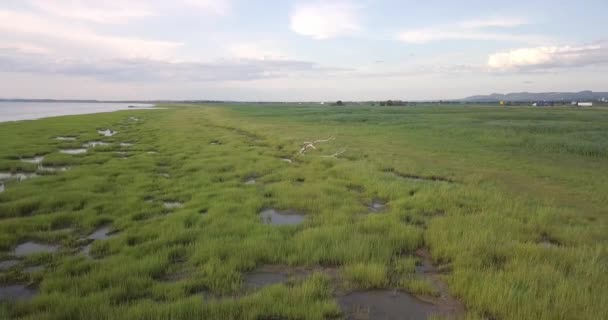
x: 15, y: 111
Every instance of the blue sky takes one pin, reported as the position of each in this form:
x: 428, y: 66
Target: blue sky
x: 299, y: 50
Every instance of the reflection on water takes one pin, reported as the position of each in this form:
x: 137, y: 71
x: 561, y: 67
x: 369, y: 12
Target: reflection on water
x: 14, y: 111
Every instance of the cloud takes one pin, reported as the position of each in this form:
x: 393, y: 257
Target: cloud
x: 148, y: 70
x: 58, y: 34
x: 324, y: 20
x: 469, y: 30
x: 422, y: 36
x: 549, y: 57
x: 121, y: 11
x: 95, y: 11
x: 493, y: 23
x: 256, y: 50
x: 24, y: 47
x: 219, y: 7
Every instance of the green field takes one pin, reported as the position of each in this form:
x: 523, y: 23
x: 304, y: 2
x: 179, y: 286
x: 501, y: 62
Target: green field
x: 510, y: 203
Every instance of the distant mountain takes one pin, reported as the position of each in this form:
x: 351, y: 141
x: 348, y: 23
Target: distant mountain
x: 543, y: 96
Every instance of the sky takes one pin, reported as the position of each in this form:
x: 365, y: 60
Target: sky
x: 298, y: 50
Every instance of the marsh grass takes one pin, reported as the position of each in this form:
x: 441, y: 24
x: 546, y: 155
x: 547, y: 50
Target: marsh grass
x: 510, y: 179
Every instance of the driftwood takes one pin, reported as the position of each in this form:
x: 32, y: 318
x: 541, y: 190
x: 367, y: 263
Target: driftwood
x: 335, y: 155
x: 311, y: 145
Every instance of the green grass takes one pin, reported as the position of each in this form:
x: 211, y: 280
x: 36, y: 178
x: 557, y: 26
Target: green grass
x: 511, y: 179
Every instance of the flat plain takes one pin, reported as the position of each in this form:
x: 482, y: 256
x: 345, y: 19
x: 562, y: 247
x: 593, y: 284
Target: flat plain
x: 306, y: 212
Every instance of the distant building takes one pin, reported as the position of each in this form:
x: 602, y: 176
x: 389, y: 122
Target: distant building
x: 585, y: 104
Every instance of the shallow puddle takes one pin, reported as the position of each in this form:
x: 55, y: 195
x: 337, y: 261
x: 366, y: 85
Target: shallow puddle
x: 73, y: 151
x: 17, y: 292
x: 446, y: 304
x: 34, y: 160
x: 52, y: 169
x: 385, y: 305
x: 20, y: 176
x: 93, y: 144
x: 286, y: 160
x: 31, y: 247
x: 126, y: 144
x: 270, y: 275
x: 33, y: 269
x: 66, y: 138
x: 172, y: 205
x: 7, y: 264
x: 102, y: 233
x: 250, y: 181
x: 86, y: 250
x: 107, y: 132
x: 377, y: 206
x: 257, y: 280
x: 284, y: 217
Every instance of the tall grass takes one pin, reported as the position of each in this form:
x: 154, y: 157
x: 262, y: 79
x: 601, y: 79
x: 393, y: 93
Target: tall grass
x: 513, y: 180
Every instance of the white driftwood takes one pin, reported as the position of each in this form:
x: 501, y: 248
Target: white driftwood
x: 335, y: 155
x: 311, y: 145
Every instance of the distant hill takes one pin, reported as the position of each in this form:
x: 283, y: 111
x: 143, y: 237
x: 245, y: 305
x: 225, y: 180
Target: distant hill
x: 543, y: 96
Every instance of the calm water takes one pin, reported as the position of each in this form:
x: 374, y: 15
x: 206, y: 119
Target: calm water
x: 13, y: 111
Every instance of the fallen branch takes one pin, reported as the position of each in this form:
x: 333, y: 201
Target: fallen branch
x: 311, y: 145
x: 335, y: 155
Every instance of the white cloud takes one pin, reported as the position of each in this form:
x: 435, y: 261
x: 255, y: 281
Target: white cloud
x: 324, y: 20
x: 493, y: 23
x: 121, y: 11
x: 95, y: 11
x: 148, y: 70
x: 24, y: 47
x: 548, y: 57
x: 220, y: 7
x: 422, y: 36
x: 58, y: 34
x: 256, y: 50
x: 469, y: 30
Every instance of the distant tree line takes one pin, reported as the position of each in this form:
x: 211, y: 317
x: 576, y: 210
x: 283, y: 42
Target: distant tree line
x: 387, y: 103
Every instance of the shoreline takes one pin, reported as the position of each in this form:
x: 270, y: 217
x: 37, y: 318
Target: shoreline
x: 24, y: 111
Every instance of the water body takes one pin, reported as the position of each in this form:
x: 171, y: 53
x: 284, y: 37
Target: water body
x: 17, y: 292
x: 15, y: 111
x: 107, y: 132
x: 100, y: 234
x: 284, y: 217
x: 385, y: 305
x: 73, y: 151
x: 30, y: 247
x: 172, y: 204
x: 272, y: 274
x: 7, y: 264
x: 93, y: 144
